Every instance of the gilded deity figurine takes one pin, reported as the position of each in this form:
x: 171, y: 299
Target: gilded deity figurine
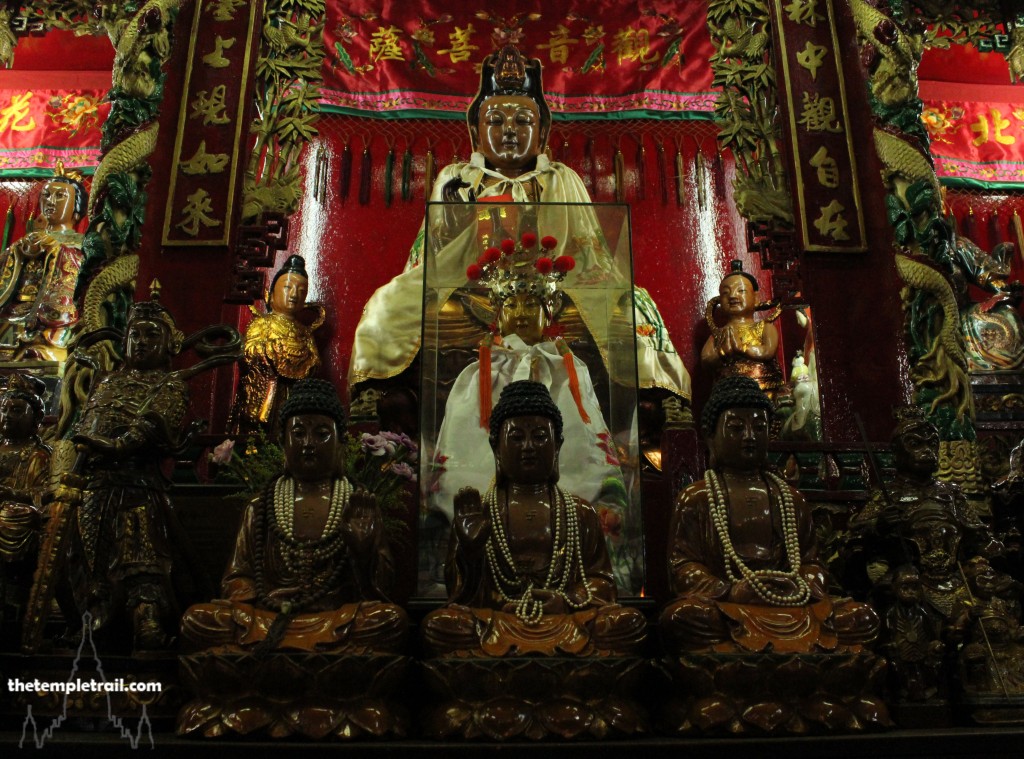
x: 743, y: 559
x: 912, y: 639
x: 24, y: 466
x: 992, y: 658
x: 279, y: 350
x: 528, y: 570
x: 509, y: 124
x: 311, y: 568
x: 743, y: 346
x: 39, y: 272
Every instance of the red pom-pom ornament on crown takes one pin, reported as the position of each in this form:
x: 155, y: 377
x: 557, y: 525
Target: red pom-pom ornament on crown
x: 528, y: 240
x: 544, y: 265
x: 548, y: 242
x: 474, y: 271
x: 508, y: 246
x: 491, y: 255
x: 565, y: 264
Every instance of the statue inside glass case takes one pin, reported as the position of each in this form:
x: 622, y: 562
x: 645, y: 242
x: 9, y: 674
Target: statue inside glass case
x: 40, y: 271
x: 279, y: 351
x: 509, y: 123
x: 528, y: 570
x: 743, y: 555
x: 311, y: 567
x: 523, y: 281
x: 24, y: 466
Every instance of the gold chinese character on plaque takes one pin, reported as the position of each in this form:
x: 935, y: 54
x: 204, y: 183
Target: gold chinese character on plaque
x: 225, y: 10
x: 831, y: 222
x: 211, y: 107
x: 196, y: 213
x: 804, y: 12
x: 811, y: 58
x: 216, y: 59
x: 827, y: 167
x: 819, y: 114
x: 204, y: 163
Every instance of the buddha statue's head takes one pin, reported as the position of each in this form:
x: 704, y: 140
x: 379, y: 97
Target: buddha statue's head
x: 915, y: 443
x: 21, y: 408
x: 289, y: 287
x: 151, y: 338
x: 509, y: 120
x: 312, y: 427
x: 735, y: 423
x: 62, y: 200
x: 526, y: 434
x: 738, y: 292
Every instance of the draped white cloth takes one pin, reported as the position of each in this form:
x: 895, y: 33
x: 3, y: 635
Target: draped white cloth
x: 587, y: 457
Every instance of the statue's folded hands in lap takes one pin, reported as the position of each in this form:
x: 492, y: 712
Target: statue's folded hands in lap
x: 528, y: 571
x: 742, y: 558
x: 311, y: 566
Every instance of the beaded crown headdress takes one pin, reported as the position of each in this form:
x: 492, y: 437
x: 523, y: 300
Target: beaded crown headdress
x: 521, y: 267
x: 153, y: 310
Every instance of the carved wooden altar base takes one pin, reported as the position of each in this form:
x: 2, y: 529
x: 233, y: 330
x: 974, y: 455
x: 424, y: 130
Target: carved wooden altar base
x: 774, y: 694
x: 318, y: 696
x: 534, y: 698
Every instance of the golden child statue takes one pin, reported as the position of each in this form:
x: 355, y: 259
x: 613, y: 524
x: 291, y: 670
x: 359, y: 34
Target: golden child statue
x: 39, y: 272
x: 279, y: 350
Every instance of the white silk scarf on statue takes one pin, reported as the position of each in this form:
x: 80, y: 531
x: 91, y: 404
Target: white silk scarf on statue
x: 587, y: 455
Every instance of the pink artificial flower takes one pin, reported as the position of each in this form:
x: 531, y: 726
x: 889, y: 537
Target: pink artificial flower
x: 222, y: 453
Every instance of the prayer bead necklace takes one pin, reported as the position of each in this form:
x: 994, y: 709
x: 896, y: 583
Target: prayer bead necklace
x: 284, y: 505
x: 719, y: 508
x: 566, y: 560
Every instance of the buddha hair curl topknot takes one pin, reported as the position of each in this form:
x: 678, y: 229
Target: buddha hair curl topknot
x: 732, y: 392
x: 524, y: 398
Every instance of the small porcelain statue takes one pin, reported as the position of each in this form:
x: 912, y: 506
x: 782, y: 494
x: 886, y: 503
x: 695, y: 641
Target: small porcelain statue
x: 24, y: 466
x: 528, y: 570
x: 743, y: 346
x: 40, y: 271
x: 743, y: 559
x: 279, y: 350
x: 804, y: 420
x: 311, y: 568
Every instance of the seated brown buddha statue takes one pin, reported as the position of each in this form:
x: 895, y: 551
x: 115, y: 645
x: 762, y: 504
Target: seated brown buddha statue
x: 311, y: 565
x: 743, y: 346
x: 528, y: 571
x: 743, y: 558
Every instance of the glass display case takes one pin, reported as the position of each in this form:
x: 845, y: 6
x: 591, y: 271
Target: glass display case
x: 530, y: 291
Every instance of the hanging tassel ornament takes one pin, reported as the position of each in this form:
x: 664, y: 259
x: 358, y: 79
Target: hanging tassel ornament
x: 641, y: 170
x: 8, y: 227
x: 318, y: 174
x: 699, y: 178
x: 574, y: 380
x: 719, y: 169
x: 592, y: 157
x: 620, y: 190
x: 365, y: 176
x: 680, y: 176
x: 486, y: 398
x: 1018, y: 233
x: 428, y: 173
x: 389, y: 170
x: 995, y: 229
x: 407, y: 173
x: 346, y: 173
x: 969, y: 223
x: 662, y: 173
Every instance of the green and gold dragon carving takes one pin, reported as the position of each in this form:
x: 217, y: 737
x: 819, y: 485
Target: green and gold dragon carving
x: 891, y: 46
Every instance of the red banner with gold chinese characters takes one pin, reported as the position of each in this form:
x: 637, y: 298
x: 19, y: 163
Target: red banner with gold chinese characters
x: 41, y: 123
x: 601, y: 58
x: 977, y: 132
